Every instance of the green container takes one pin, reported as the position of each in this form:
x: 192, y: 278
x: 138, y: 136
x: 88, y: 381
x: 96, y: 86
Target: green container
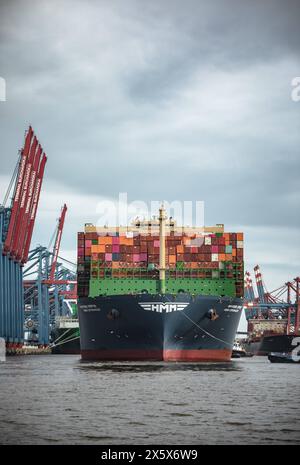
x: 180, y: 265
x: 151, y: 266
x: 228, y: 249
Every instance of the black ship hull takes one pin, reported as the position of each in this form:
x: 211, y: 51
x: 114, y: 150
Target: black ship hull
x: 277, y: 357
x: 158, y: 327
x: 276, y: 343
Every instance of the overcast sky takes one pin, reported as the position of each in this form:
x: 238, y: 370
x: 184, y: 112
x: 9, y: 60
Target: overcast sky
x: 163, y: 100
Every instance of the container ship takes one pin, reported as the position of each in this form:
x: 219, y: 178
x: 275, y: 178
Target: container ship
x: 157, y: 291
x: 273, y: 321
x: 274, y: 331
x: 269, y: 335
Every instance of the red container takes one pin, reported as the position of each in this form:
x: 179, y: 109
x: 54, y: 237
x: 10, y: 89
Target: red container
x: 239, y: 254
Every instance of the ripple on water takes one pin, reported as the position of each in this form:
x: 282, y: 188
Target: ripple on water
x: 60, y: 399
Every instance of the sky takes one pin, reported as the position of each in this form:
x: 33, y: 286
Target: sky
x: 163, y: 100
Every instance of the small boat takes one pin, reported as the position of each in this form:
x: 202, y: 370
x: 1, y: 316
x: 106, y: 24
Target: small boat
x: 282, y: 357
x: 238, y: 350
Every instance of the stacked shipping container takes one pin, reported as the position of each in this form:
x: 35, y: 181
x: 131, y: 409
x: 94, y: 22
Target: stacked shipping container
x: 115, y: 254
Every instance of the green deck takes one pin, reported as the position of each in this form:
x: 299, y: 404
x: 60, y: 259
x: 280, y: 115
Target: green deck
x: 116, y: 286
x: 105, y: 280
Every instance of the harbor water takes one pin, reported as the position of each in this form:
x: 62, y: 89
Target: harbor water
x: 57, y: 399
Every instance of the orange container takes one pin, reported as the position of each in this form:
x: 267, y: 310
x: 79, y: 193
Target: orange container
x: 128, y: 241
x: 240, y: 236
x: 222, y: 257
x: 234, y: 252
x: 180, y: 249
x: 172, y: 259
x: 105, y: 240
x: 228, y: 256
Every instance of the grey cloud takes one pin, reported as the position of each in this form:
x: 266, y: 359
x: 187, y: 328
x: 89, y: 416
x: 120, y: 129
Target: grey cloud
x: 172, y: 99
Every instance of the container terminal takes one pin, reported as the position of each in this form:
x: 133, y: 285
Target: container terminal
x: 39, y: 290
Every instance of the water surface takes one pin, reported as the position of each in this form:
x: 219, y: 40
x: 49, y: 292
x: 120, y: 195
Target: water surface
x: 57, y: 399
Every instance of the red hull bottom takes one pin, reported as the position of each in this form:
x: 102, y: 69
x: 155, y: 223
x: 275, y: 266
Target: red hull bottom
x: 205, y: 355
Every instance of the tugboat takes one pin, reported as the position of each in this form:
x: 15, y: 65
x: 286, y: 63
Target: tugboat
x: 238, y: 350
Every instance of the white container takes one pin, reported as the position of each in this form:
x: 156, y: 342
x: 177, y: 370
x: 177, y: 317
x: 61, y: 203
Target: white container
x: 214, y: 257
x: 240, y: 244
x: 207, y: 241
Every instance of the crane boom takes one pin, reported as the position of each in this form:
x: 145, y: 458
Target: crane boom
x: 56, y: 246
x: 35, y: 201
x: 25, y: 220
x: 18, y: 190
x: 24, y: 195
x: 259, y: 284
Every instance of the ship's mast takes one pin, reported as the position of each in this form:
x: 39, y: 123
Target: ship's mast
x: 162, y: 249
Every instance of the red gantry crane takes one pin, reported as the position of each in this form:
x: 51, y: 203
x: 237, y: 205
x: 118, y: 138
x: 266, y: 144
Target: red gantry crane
x: 25, y: 199
x: 16, y: 226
